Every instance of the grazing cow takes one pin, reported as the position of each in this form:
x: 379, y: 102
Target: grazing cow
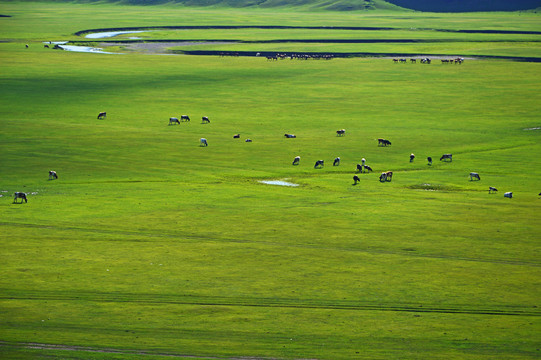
x: 474, y: 175
x: 368, y: 168
x: 203, y: 142
x: 102, y: 115
x: 236, y: 136
x: 446, y: 157
x: 19, y: 195
x: 296, y: 160
x: 508, y: 195
x: 26, y: 46
x: 205, y: 120
x: 46, y: 46
x: 336, y: 162
x: 248, y: 140
x: 290, y: 136
x: 383, y: 142
x: 492, y: 189
x: 173, y: 121
x: 341, y: 132
x: 319, y: 164
x: 52, y: 175
x: 360, y: 168
x: 355, y: 179
x: 412, y: 157
x: 386, y: 176
x: 413, y: 60
x: 184, y: 118
x: 429, y: 159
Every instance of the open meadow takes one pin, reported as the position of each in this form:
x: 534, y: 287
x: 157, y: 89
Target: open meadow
x: 149, y: 245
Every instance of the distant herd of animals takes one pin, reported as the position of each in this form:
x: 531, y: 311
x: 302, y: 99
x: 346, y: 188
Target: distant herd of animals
x: 458, y: 60
x: 385, y: 176
x: 296, y: 56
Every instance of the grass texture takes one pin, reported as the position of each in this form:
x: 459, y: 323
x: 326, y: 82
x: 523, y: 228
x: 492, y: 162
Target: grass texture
x: 150, y: 245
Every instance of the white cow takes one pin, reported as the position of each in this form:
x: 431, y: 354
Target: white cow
x: 474, y: 175
x: 203, y: 142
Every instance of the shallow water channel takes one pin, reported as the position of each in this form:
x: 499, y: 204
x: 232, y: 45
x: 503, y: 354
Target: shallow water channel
x: 278, y: 182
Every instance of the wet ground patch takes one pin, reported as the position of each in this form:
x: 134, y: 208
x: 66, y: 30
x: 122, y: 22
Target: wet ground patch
x: 434, y: 187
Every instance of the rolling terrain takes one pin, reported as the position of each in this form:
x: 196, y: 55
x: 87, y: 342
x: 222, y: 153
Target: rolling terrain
x: 150, y: 246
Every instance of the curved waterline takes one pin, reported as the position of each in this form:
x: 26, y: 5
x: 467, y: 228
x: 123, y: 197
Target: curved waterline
x: 364, y: 28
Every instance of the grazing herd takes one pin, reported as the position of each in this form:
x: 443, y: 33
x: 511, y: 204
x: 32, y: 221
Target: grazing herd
x: 295, y: 56
x: 186, y: 118
x: 458, y: 60
x: 387, y: 176
x: 361, y: 168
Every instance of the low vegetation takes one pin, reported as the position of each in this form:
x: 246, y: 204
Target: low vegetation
x: 149, y: 245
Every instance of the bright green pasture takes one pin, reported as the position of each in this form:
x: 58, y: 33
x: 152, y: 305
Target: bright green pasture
x: 150, y: 244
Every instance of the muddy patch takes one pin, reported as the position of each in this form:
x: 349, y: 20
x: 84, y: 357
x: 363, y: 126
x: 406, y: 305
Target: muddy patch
x: 433, y: 187
x: 159, y: 47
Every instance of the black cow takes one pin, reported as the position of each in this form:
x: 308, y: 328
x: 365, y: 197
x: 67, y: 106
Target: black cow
x: 19, y: 195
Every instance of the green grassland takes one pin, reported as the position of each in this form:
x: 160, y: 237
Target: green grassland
x: 149, y: 245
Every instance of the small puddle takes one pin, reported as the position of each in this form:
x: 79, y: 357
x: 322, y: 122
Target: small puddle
x: 278, y: 182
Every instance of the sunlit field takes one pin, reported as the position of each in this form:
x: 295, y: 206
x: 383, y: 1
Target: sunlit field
x: 149, y: 245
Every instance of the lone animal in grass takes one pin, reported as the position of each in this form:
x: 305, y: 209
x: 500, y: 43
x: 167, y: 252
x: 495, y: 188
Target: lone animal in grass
x: 474, y: 175
x: 429, y: 159
x: 296, y: 160
x: 19, y: 195
x: 205, y: 120
x: 383, y: 142
x: 386, y: 176
x: 26, y: 46
x: 336, y: 162
x: 412, y: 157
x: 46, y: 46
x: 173, y: 121
x: 508, y: 195
x: 341, y: 132
x: 319, y: 164
x: 446, y: 157
x: 355, y: 179
x: 290, y: 136
x: 236, y: 136
x: 203, y: 142
x: 184, y: 118
x: 102, y: 115
x: 492, y: 189
x: 248, y: 140
x: 52, y: 175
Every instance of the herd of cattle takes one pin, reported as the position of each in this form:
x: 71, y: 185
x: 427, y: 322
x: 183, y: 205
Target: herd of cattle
x: 458, y: 60
x: 296, y: 56
x: 385, y: 176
